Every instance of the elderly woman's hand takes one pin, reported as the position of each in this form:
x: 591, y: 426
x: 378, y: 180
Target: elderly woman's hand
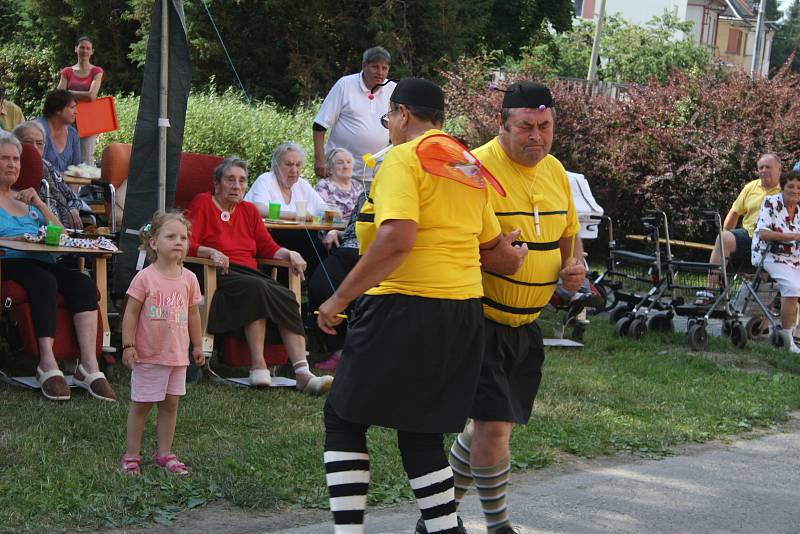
x: 298, y: 264
x: 30, y: 196
x: 331, y: 239
x: 220, y: 260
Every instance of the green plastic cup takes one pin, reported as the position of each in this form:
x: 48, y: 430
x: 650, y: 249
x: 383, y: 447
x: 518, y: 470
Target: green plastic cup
x: 274, y: 211
x: 53, y: 235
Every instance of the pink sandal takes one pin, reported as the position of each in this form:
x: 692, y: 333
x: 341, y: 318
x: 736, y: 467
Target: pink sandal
x: 131, y: 464
x: 171, y: 463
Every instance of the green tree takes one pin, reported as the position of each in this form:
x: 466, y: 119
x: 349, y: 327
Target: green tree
x: 787, y: 39
x: 629, y: 52
x: 773, y: 13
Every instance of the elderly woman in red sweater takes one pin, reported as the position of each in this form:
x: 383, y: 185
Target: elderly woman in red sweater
x: 230, y: 232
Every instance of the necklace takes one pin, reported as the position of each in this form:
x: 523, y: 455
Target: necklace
x: 225, y: 215
x: 534, y: 198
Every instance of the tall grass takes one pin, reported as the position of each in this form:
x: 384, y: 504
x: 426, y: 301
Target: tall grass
x: 224, y: 124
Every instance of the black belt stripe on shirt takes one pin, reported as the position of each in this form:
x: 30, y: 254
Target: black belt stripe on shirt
x: 552, y: 245
x: 522, y: 283
x: 528, y: 213
x: 366, y: 217
x: 511, y: 309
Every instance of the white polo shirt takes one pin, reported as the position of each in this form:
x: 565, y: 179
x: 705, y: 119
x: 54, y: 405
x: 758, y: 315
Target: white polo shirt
x: 353, y: 119
x: 266, y: 189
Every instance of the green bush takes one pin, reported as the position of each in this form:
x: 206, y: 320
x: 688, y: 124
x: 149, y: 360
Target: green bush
x: 28, y: 73
x: 226, y: 125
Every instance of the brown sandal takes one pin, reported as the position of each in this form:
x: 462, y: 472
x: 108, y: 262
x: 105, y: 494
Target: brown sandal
x: 53, y: 385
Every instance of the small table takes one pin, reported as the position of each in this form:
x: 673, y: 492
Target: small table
x: 100, y: 270
x: 291, y: 225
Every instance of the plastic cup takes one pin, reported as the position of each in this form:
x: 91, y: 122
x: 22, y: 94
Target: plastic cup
x: 330, y: 215
x: 317, y: 219
x: 274, y: 211
x: 301, y: 210
x: 53, y: 235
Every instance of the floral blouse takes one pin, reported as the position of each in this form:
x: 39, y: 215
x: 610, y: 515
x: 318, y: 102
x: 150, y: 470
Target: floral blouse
x: 775, y: 217
x: 344, y: 200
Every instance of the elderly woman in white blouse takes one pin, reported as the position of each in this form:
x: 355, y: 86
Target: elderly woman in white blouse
x: 284, y: 185
x: 780, y: 221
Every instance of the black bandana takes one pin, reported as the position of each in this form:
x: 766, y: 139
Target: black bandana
x: 528, y: 95
x: 418, y: 92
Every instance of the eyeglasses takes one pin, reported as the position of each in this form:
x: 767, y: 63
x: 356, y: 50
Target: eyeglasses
x: 385, y: 118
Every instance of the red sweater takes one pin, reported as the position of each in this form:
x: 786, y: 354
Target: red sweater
x: 243, y: 238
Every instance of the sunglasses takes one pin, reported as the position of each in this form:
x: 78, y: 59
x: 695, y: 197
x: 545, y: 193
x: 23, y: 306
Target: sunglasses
x: 385, y: 118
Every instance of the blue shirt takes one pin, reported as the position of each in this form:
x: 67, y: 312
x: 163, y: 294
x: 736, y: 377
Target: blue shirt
x: 72, y: 150
x: 13, y: 226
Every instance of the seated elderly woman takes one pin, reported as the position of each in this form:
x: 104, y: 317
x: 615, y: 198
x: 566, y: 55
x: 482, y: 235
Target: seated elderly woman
x: 284, y: 185
x: 779, y: 222
x: 62, y: 144
x: 343, y: 257
x: 64, y: 201
x: 230, y: 232
x: 338, y: 187
x: 23, y: 212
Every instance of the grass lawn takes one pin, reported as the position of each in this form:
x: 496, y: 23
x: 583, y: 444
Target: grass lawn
x: 263, y: 449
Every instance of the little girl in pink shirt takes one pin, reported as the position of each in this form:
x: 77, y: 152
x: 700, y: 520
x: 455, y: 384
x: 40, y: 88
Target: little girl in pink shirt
x: 160, y: 318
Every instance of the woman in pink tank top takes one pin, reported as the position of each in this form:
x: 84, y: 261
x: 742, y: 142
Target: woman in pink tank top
x: 83, y: 80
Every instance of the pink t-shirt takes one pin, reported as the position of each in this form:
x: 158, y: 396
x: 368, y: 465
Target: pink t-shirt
x: 77, y: 83
x: 162, y: 335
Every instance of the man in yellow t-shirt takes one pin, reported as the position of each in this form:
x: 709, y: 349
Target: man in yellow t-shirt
x: 540, y: 210
x: 412, y: 355
x: 747, y: 207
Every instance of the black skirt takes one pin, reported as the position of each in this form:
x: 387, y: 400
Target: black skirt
x: 245, y: 295
x: 410, y: 363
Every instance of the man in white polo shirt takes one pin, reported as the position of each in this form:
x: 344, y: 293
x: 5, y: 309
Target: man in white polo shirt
x: 352, y: 110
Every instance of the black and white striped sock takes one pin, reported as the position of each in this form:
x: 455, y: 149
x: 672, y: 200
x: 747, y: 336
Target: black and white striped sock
x: 347, y: 476
x: 434, y: 494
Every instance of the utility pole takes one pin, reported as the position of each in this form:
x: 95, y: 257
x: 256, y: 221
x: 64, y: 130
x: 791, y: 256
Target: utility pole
x: 755, y: 65
x: 598, y: 31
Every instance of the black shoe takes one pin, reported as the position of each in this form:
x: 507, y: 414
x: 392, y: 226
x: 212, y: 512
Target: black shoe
x: 421, y: 529
x: 508, y: 529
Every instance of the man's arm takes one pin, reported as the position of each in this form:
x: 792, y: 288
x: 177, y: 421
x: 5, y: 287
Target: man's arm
x: 573, y: 271
x: 502, y: 257
x: 731, y: 220
x: 319, y: 150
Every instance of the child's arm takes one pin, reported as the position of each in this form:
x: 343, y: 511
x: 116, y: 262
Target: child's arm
x: 129, y: 323
x: 196, y: 335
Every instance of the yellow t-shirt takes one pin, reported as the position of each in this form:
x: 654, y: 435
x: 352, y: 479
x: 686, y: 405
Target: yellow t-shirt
x: 517, y: 300
x: 748, y: 203
x: 452, y: 220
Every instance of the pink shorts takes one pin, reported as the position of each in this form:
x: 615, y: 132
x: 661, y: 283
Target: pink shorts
x: 152, y: 382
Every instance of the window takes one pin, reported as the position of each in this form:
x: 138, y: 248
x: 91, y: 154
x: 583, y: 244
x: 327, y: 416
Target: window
x: 578, y: 7
x: 734, y: 42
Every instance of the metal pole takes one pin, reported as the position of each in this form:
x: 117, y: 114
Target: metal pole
x: 757, y: 48
x: 598, y: 31
x: 163, y: 120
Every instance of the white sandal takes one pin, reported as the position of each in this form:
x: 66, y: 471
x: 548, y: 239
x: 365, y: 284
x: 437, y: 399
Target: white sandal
x: 87, y: 381
x: 42, y: 377
x: 260, y: 378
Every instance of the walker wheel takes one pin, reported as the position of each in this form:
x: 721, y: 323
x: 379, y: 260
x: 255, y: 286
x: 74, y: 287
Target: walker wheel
x: 698, y: 337
x: 621, y: 326
x: 776, y: 338
x: 638, y: 328
x: 618, y: 313
x: 738, y: 335
x: 757, y: 328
